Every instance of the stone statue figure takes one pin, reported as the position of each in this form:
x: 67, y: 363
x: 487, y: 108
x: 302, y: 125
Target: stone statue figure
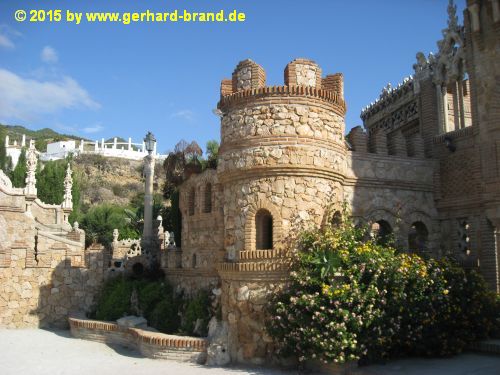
x: 115, y: 235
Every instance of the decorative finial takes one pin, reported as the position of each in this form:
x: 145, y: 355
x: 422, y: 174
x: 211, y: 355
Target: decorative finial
x: 68, y: 185
x: 452, y: 15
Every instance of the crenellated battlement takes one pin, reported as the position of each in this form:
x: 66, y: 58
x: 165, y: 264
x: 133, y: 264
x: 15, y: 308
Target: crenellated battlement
x: 302, y: 77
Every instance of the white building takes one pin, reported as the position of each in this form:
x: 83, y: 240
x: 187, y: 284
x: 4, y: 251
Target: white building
x: 58, y: 150
x: 62, y: 149
x: 14, y: 150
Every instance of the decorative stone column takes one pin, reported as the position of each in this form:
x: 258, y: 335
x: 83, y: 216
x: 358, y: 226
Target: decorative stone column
x: 31, y: 161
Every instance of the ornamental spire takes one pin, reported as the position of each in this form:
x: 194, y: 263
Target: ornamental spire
x: 68, y: 185
x: 452, y: 16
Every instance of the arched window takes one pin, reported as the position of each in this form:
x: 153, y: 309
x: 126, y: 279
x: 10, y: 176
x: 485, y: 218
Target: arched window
x: 207, y: 207
x: 264, y: 230
x: 382, y: 230
x: 193, y: 261
x: 191, y: 201
x: 336, y: 219
x: 418, y: 238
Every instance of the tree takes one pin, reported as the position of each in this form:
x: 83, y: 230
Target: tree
x: 100, y: 221
x: 193, y: 152
x: 50, y: 182
x: 18, y: 175
x: 212, y: 154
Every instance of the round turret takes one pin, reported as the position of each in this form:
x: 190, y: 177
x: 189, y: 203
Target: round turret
x: 282, y: 154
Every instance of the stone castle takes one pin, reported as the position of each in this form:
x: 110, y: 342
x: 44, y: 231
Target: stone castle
x: 424, y: 168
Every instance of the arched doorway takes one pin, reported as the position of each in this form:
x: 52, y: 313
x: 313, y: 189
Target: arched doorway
x: 418, y: 238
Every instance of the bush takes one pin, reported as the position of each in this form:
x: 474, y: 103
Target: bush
x: 195, y: 309
x: 351, y: 298
x: 157, y: 303
x: 114, y: 300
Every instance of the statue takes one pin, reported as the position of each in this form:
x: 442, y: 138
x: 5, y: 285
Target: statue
x: 115, y: 235
x: 31, y: 161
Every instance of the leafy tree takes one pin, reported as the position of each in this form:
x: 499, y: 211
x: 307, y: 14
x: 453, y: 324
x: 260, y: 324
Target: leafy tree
x: 18, y: 175
x: 50, y: 182
x: 193, y: 152
x: 212, y: 154
x: 100, y: 221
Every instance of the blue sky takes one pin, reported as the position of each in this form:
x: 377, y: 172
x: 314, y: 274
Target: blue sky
x: 109, y: 79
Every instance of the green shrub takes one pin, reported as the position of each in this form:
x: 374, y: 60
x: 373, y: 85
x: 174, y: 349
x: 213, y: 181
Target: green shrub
x: 164, y: 317
x: 352, y: 298
x: 157, y: 303
x: 114, y: 300
x: 196, y: 308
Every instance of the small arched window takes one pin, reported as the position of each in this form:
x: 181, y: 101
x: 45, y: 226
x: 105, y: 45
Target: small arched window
x: 193, y: 261
x: 263, y: 230
x: 191, y: 199
x: 382, y: 230
x: 418, y: 238
x: 207, y: 207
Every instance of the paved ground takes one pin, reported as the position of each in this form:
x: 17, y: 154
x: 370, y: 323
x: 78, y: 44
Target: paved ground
x: 41, y: 352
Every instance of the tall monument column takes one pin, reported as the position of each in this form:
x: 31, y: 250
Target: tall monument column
x: 149, y: 169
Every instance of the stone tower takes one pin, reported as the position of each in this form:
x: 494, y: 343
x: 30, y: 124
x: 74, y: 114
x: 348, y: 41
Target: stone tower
x: 282, y: 152
x: 282, y: 158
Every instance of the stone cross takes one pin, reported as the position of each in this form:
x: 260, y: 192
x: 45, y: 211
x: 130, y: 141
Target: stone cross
x: 68, y: 185
x: 31, y: 161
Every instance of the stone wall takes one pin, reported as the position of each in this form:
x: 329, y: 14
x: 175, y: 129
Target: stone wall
x: 44, y: 270
x: 192, y: 266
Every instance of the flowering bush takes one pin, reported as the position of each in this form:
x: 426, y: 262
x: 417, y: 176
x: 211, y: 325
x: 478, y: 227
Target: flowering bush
x: 351, y: 298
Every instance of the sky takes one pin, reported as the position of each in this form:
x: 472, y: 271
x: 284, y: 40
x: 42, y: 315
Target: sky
x: 100, y: 80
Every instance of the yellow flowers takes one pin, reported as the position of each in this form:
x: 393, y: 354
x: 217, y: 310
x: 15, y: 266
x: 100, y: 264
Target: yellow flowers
x: 446, y: 291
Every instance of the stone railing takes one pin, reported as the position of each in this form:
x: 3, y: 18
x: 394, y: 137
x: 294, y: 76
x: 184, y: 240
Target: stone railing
x: 148, y: 343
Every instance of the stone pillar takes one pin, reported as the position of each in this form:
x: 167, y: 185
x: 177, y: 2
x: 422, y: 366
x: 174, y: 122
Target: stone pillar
x: 149, y: 168
x: 154, y: 149
x: 31, y: 161
x: 456, y: 106
x: 442, y: 99
x: 23, y: 141
x: 96, y: 146
x: 129, y: 143
x: 6, y: 141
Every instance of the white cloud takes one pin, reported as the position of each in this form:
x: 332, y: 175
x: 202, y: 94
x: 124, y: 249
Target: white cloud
x: 184, y: 114
x: 49, y: 55
x: 93, y: 129
x: 7, y: 34
x: 6, y: 42
x: 25, y: 99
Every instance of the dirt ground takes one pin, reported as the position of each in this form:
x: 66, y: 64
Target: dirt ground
x: 42, y: 352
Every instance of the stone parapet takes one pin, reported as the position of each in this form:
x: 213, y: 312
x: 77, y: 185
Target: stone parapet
x: 148, y: 343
